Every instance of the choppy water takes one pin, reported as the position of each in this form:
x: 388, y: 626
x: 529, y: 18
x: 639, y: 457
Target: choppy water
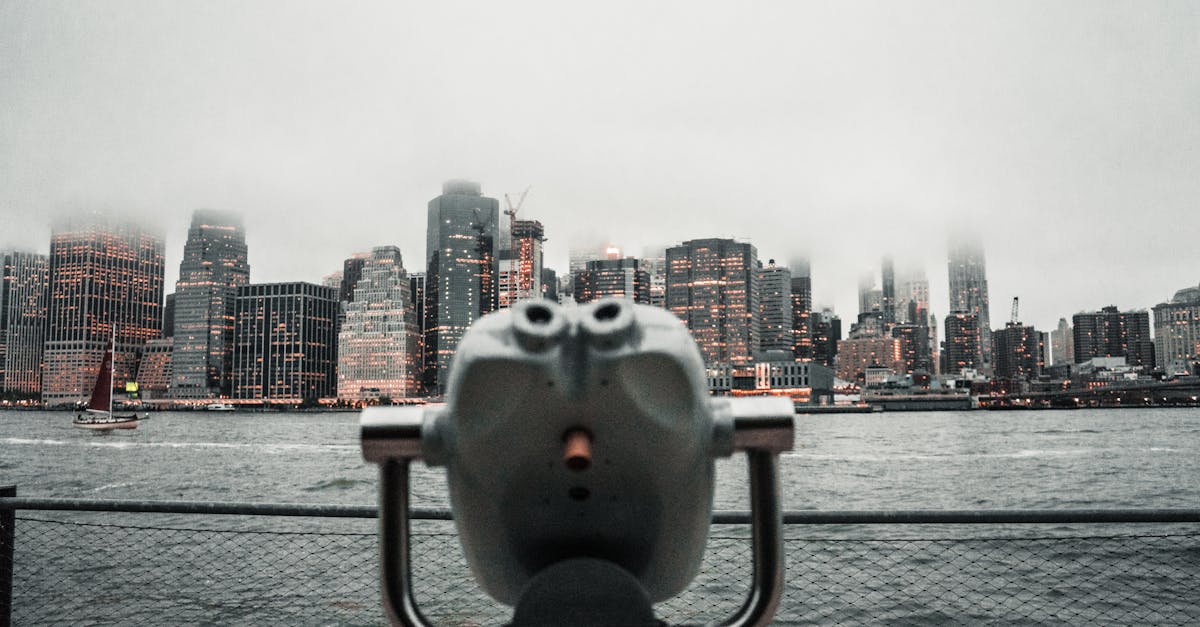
x: 985, y: 460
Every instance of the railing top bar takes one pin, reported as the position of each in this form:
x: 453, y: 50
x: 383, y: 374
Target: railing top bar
x: 805, y: 517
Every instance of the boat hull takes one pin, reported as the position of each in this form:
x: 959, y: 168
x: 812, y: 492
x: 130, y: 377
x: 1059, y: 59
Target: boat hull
x: 107, y: 423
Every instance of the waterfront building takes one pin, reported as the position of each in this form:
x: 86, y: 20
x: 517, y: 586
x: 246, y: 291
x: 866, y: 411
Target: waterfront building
x: 1113, y: 333
x: 103, y: 273
x: 1062, y: 343
x: 154, y: 369
x: 379, y: 340
x: 1177, y: 330
x: 969, y: 292
x: 802, y: 317
x: 214, y: 266
x: 24, y: 281
x: 962, y: 350
x: 712, y: 288
x: 521, y: 262
x: 460, y: 283
x: 855, y: 355
x: 285, y: 342
x: 775, y: 309
x: 1019, y: 351
x: 617, y: 278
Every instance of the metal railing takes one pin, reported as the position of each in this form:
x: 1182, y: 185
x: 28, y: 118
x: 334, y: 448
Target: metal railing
x: 154, y: 562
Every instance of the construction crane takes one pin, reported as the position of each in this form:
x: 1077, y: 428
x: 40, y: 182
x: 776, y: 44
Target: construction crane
x: 512, y: 210
x: 1014, y: 311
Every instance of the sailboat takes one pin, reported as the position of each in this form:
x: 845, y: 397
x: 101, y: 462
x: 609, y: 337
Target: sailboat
x: 98, y: 414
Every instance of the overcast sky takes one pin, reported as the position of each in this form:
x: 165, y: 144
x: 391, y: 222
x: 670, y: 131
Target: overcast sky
x: 1067, y: 134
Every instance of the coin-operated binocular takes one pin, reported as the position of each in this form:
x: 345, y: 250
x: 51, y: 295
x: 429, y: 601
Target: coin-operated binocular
x: 579, y: 447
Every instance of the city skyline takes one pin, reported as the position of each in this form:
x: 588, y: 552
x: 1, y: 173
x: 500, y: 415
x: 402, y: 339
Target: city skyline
x: 1065, y: 135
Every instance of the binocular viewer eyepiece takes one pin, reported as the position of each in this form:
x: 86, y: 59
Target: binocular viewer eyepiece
x: 580, y: 440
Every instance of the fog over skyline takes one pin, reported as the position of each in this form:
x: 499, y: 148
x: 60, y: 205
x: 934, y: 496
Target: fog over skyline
x: 1066, y: 134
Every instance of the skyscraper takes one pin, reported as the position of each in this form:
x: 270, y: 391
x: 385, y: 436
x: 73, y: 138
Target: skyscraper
x: 103, y: 273
x: 1177, y: 331
x: 712, y: 288
x: 1113, y: 333
x: 460, y: 284
x: 962, y: 342
x: 24, y: 279
x: 618, y: 278
x: 969, y: 291
x: 285, y: 342
x: 1019, y: 351
x: 378, y: 344
x: 802, y: 315
x: 214, y: 266
x: 1062, y: 343
x: 521, y: 263
x: 775, y: 308
x: 826, y: 333
x: 888, y: 293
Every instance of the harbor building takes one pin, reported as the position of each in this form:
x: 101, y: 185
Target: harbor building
x: 154, y: 369
x: 379, y: 340
x: 856, y: 355
x: 285, y: 342
x: 775, y: 309
x: 214, y: 266
x: 1113, y: 333
x: 616, y: 278
x: 712, y: 287
x: 1020, y: 352
x: 104, y: 273
x: 24, y: 280
x: 460, y: 282
x: 969, y: 294
x: 1177, y: 331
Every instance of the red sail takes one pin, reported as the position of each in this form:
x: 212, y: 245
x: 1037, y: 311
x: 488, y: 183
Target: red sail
x: 102, y: 393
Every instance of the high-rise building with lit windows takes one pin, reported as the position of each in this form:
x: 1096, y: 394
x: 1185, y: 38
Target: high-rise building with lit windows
x: 214, y: 266
x: 775, y: 308
x: 104, y: 273
x: 962, y: 350
x: 378, y: 345
x: 1113, y: 333
x: 712, y: 287
x: 521, y: 263
x: 1177, y: 331
x: 802, y: 311
x: 969, y: 290
x: 887, y: 299
x: 285, y: 342
x: 1020, y: 352
x: 615, y: 278
x: 460, y: 282
x: 24, y: 279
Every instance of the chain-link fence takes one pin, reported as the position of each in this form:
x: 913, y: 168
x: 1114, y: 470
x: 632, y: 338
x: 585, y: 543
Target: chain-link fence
x: 100, y: 569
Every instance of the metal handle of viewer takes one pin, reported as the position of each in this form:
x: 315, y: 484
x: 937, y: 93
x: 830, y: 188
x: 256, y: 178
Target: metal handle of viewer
x: 763, y: 430
x: 395, y: 548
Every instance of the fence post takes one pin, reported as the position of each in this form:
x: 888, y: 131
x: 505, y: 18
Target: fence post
x: 8, y: 519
